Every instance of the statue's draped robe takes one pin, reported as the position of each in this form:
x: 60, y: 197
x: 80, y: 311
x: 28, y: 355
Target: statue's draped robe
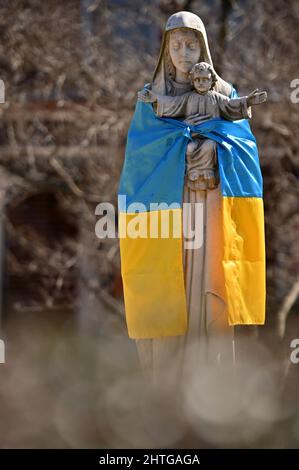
x: 209, y: 336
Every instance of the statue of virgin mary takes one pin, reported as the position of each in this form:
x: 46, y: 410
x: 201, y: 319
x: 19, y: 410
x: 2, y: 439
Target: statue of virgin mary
x: 184, y: 43
x: 209, y: 335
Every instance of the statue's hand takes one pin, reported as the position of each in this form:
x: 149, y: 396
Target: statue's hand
x: 197, y: 119
x: 147, y: 96
x: 256, y: 97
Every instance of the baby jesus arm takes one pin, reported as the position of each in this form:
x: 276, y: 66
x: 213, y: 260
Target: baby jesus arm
x: 239, y: 108
x: 234, y: 108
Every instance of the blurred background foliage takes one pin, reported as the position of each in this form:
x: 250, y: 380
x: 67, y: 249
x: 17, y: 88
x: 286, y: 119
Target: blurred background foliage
x: 71, y: 71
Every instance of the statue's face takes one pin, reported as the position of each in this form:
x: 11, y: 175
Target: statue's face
x: 184, y: 49
x: 202, y: 81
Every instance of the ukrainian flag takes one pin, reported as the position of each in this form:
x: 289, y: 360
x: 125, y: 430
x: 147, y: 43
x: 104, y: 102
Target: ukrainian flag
x: 152, y: 251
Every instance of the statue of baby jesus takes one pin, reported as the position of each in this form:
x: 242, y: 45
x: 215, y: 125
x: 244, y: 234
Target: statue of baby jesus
x: 196, y: 106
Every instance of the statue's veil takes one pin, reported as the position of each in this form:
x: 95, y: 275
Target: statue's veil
x: 161, y: 82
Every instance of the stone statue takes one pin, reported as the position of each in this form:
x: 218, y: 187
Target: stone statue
x: 209, y: 336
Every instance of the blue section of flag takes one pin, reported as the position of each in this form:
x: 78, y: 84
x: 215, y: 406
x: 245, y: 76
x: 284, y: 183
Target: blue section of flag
x: 154, y: 165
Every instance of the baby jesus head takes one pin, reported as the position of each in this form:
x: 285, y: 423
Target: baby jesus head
x: 202, y: 77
